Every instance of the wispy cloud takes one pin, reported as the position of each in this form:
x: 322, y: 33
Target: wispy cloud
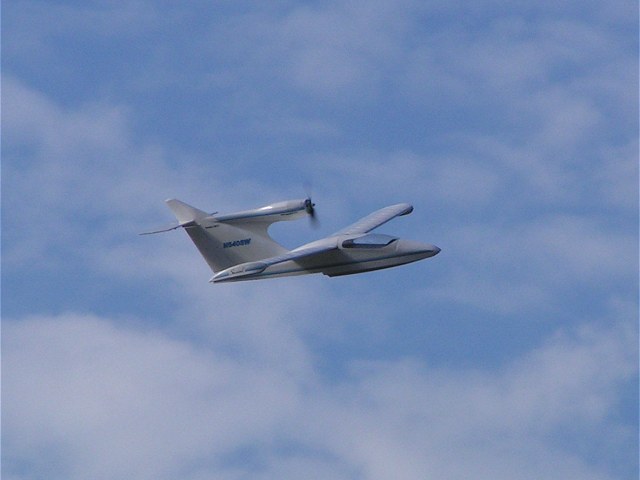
x: 102, y: 400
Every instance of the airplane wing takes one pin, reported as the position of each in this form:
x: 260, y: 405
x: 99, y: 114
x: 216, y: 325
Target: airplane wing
x: 254, y: 268
x: 375, y: 219
x: 301, y: 252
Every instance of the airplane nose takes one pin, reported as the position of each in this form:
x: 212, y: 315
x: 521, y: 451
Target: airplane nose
x: 432, y: 250
x: 425, y: 249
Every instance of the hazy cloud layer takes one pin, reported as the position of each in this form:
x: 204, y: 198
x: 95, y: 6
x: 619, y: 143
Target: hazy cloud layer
x: 98, y: 399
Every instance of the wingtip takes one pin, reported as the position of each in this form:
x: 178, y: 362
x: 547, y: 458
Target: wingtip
x: 408, y: 208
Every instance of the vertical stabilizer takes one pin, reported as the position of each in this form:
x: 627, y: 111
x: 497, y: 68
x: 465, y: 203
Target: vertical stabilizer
x: 222, y: 244
x: 185, y: 213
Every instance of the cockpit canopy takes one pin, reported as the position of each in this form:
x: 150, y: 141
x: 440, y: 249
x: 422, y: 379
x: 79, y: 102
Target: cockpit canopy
x: 372, y: 240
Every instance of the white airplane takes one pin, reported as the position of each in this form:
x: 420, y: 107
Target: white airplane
x: 238, y: 247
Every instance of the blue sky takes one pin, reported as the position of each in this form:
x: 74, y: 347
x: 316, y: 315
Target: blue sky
x: 512, y: 127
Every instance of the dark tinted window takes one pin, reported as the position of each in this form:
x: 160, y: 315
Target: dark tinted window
x: 372, y: 240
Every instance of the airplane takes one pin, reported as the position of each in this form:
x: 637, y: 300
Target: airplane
x: 237, y: 246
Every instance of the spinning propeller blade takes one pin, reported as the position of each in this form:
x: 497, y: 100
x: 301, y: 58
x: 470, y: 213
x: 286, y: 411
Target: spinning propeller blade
x: 310, y: 208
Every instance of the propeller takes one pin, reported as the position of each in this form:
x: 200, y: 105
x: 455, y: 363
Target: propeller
x: 309, y: 205
x: 310, y: 208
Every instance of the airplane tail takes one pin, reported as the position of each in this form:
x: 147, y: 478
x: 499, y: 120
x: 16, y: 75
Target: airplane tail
x: 223, y: 244
x: 185, y: 213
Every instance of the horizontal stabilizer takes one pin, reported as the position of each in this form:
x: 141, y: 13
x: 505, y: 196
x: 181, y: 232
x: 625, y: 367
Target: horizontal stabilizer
x: 186, y: 215
x: 166, y: 228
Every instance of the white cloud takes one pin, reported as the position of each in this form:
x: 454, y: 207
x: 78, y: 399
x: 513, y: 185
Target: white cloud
x: 123, y: 403
x: 101, y: 400
x: 78, y: 175
x: 95, y: 204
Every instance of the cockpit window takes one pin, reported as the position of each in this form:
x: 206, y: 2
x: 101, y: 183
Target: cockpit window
x: 374, y: 240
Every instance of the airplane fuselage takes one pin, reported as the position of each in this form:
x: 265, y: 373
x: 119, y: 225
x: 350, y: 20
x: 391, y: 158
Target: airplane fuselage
x: 353, y: 255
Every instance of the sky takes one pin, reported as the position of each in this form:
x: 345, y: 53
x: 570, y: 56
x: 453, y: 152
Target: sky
x: 511, y: 127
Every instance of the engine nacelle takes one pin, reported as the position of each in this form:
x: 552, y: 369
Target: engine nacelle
x: 276, y: 212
